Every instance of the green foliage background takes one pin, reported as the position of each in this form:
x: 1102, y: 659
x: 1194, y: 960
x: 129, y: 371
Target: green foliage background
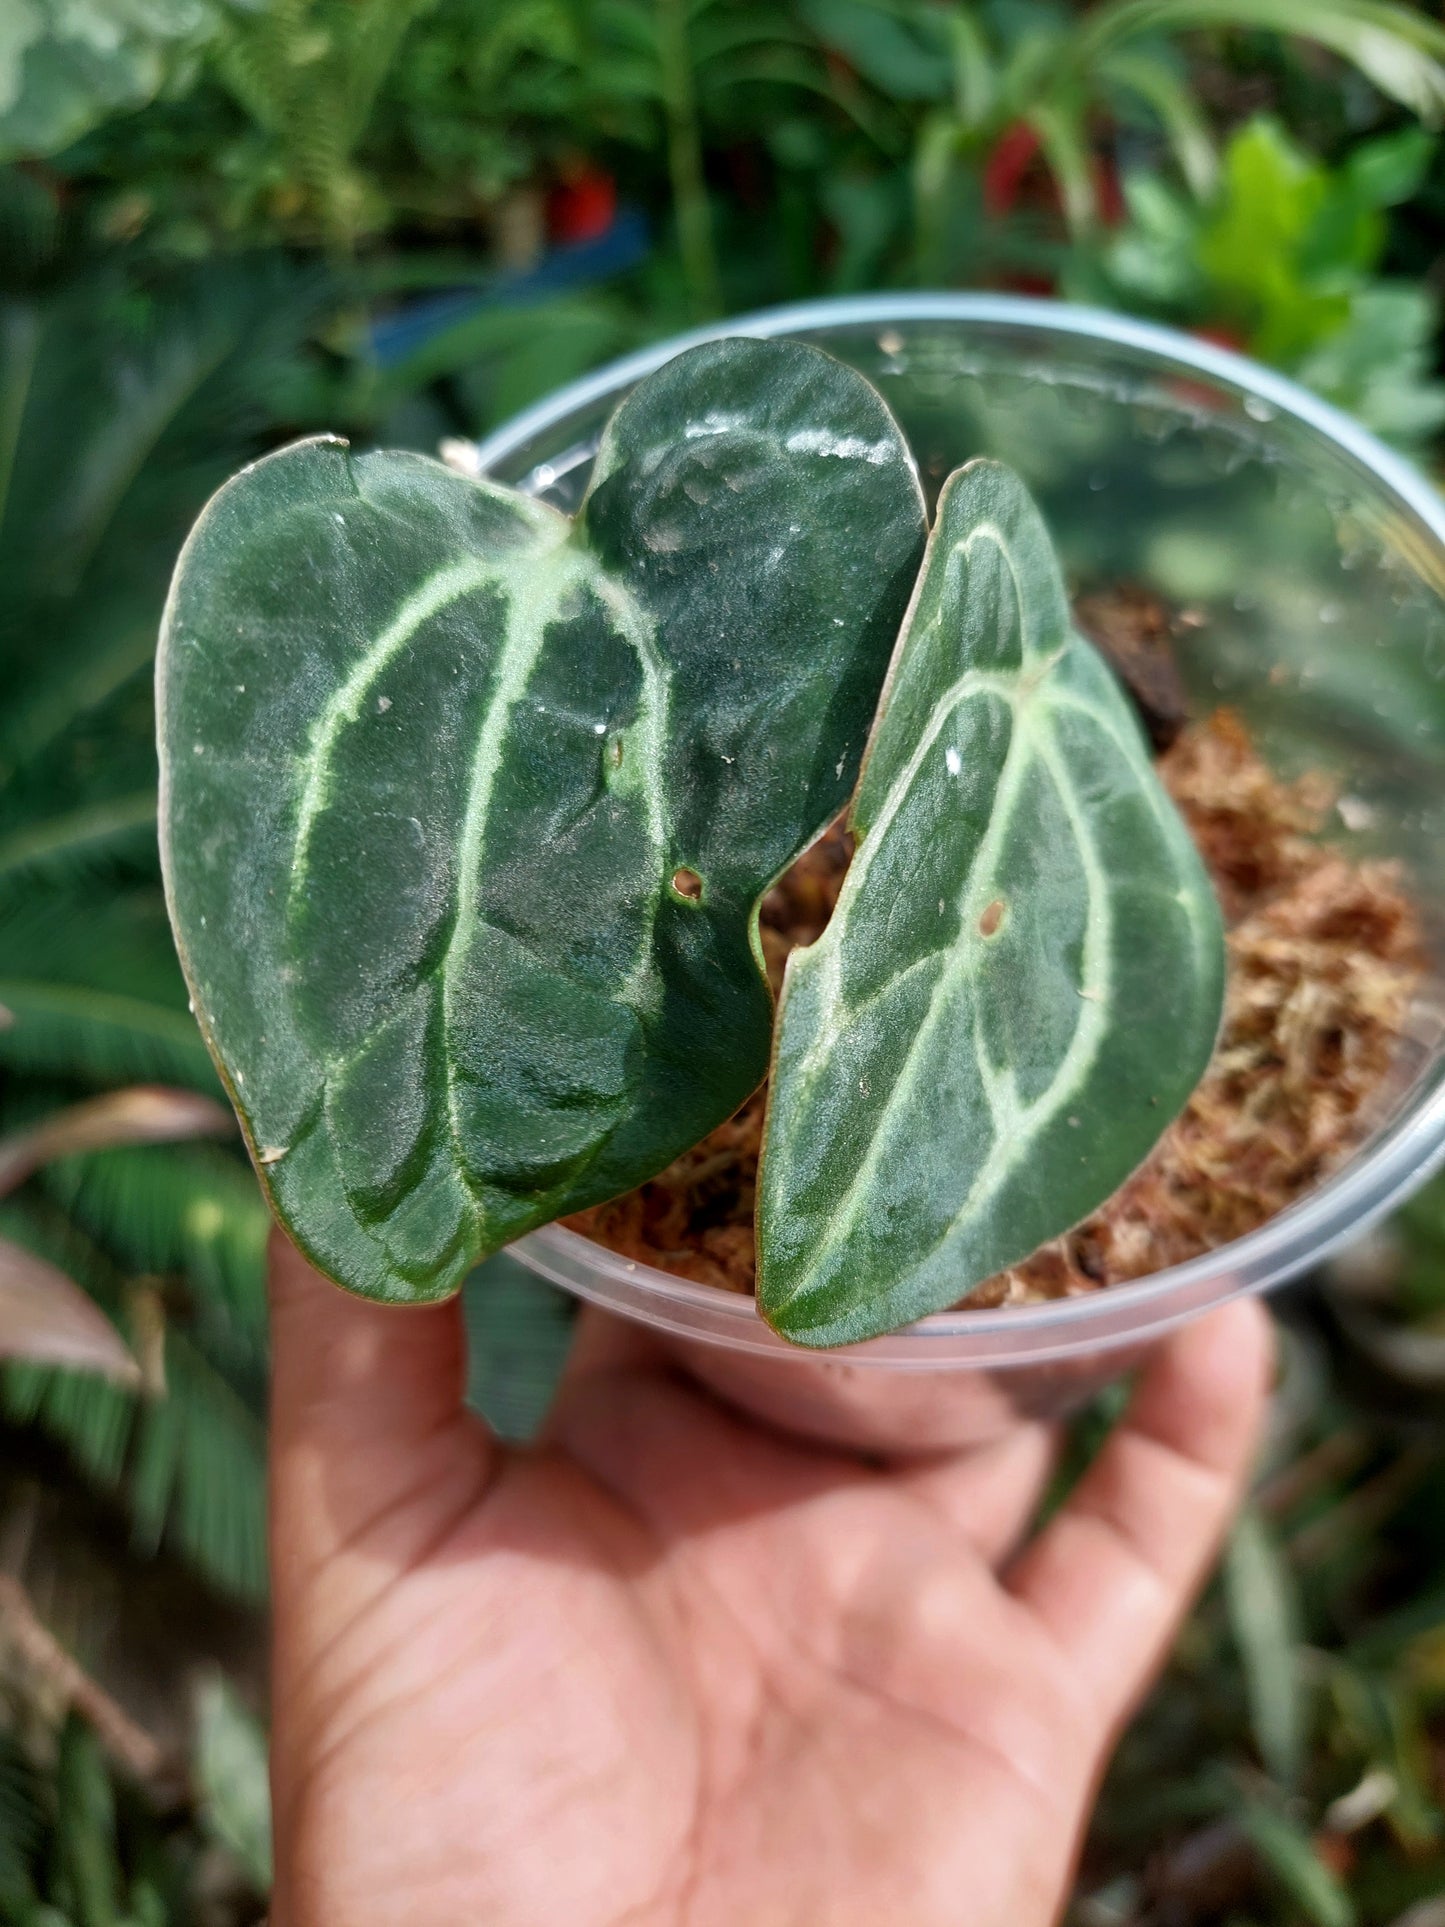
x: 206, y: 209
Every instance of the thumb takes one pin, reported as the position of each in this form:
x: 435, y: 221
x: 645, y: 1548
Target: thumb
x: 370, y: 1439
x: 375, y: 1461
x: 1112, y: 1575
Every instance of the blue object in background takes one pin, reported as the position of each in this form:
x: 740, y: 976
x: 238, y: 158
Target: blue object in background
x: 576, y: 264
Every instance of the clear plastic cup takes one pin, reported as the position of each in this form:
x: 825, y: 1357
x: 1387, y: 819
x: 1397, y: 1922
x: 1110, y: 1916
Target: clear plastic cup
x: 1314, y: 558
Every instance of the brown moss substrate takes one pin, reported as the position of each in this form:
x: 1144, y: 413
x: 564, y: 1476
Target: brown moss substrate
x: 1324, y: 956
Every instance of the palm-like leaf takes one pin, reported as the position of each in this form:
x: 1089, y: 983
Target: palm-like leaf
x: 126, y: 394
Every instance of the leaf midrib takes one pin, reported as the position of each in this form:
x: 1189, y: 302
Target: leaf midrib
x: 438, y: 592
x: 536, y: 586
x: 1014, y: 688
x: 1032, y: 736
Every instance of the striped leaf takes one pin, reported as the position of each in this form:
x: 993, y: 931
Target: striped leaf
x: 1023, y: 978
x: 466, y: 809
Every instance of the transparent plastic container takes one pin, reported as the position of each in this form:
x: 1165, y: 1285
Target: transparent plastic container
x: 1314, y: 559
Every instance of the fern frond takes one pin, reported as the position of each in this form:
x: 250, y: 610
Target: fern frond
x: 128, y: 405
x: 127, y: 394
x: 308, y: 72
x: 120, y: 941
x: 92, y: 659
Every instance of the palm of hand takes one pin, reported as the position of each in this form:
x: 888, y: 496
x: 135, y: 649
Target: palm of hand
x: 675, y: 1670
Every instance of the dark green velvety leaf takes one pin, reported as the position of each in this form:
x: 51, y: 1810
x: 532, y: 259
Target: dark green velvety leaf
x: 466, y: 809
x: 1023, y: 978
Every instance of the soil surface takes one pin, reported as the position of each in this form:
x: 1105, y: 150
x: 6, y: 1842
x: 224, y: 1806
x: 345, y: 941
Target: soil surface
x: 1324, y: 956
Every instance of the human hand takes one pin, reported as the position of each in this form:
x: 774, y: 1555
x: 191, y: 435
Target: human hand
x: 673, y: 1669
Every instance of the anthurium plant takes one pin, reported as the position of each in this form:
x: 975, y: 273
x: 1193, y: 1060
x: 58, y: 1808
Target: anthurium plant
x: 468, y: 809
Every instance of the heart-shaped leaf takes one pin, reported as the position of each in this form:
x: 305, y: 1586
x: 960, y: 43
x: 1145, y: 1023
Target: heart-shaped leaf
x: 466, y: 809
x: 1023, y: 978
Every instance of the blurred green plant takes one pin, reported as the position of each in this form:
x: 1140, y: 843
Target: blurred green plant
x: 343, y: 121
x: 45, y: 1317
x: 232, y: 1779
x: 481, y: 100
x: 1413, y: 1268
x: 66, y: 65
x: 82, y: 1845
x: 125, y: 396
x: 1289, y: 1769
x: 996, y: 86
x: 818, y: 144
x: 1282, y: 259
x: 307, y: 73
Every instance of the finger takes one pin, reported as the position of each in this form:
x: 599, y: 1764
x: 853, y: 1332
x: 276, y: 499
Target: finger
x: 603, y: 1347
x: 347, y: 1368
x: 1110, y: 1577
x: 990, y: 1493
x: 603, y: 1342
x: 366, y: 1404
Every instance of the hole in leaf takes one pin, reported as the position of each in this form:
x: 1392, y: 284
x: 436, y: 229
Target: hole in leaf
x: 687, y: 884
x: 992, y: 917
x: 614, y: 751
